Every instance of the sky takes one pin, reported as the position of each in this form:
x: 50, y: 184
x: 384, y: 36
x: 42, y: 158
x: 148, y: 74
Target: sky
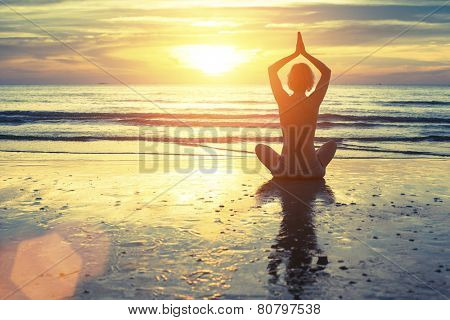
x: 226, y: 42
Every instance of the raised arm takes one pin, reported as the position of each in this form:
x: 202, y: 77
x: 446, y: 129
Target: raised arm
x: 322, y: 86
x: 281, y: 96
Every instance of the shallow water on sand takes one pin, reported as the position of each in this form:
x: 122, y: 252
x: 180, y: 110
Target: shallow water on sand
x: 96, y: 230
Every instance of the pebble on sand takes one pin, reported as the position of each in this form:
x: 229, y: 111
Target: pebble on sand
x: 322, y: 260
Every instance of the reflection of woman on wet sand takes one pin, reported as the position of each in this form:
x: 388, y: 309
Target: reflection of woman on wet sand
x: 296, y: 244
x: 298, y: 118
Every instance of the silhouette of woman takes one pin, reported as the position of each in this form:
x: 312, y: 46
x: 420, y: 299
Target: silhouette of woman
x: 296, y: 243
x: 298, y: 118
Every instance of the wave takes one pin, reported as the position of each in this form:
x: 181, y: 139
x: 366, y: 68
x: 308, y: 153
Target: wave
x: 209, y: 102
x: 405, y: 152
x: 225, y: 139
x: 418, y: 103
x: 108, y: 153
x: 209, y: 155
x: 431, y: 138
x: 242, y: 153
x: 181, y: 140
x: 203, y: 119
x: 62, y: 115
x: 383, y: 119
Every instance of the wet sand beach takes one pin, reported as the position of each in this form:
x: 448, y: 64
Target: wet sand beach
x: 373, y: 229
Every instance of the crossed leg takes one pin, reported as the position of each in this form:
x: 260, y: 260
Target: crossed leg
x: 267, y: 156
x: 270, y: 158
x: 326, y: 153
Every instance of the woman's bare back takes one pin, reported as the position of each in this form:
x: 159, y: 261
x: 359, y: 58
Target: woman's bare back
x: 298, y: 158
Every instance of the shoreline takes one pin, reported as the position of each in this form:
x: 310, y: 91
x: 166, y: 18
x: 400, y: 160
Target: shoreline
x: 373, y: 229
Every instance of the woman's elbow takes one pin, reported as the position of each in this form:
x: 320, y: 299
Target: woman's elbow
x: 273, y: 68
x: 326, y: 74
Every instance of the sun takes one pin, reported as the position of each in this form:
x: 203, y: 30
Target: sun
x: 211, y: 59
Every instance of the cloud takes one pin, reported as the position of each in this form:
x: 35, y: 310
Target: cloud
x: 121, y: 34
x: 407, y: 76
x: 31, y: 2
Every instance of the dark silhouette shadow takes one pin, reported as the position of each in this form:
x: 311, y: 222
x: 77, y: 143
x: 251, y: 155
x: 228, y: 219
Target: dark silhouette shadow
x: 296, y: 245
x: 299, y: 112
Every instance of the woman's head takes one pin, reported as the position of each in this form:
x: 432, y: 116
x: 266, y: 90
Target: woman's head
x: 301, y: 78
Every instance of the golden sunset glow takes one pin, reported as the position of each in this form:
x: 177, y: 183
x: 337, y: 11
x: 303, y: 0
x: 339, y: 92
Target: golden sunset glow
x: 211, y: 60
x: 198, y: 42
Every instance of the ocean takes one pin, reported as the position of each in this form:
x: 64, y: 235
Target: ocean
x: 366, y: 121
